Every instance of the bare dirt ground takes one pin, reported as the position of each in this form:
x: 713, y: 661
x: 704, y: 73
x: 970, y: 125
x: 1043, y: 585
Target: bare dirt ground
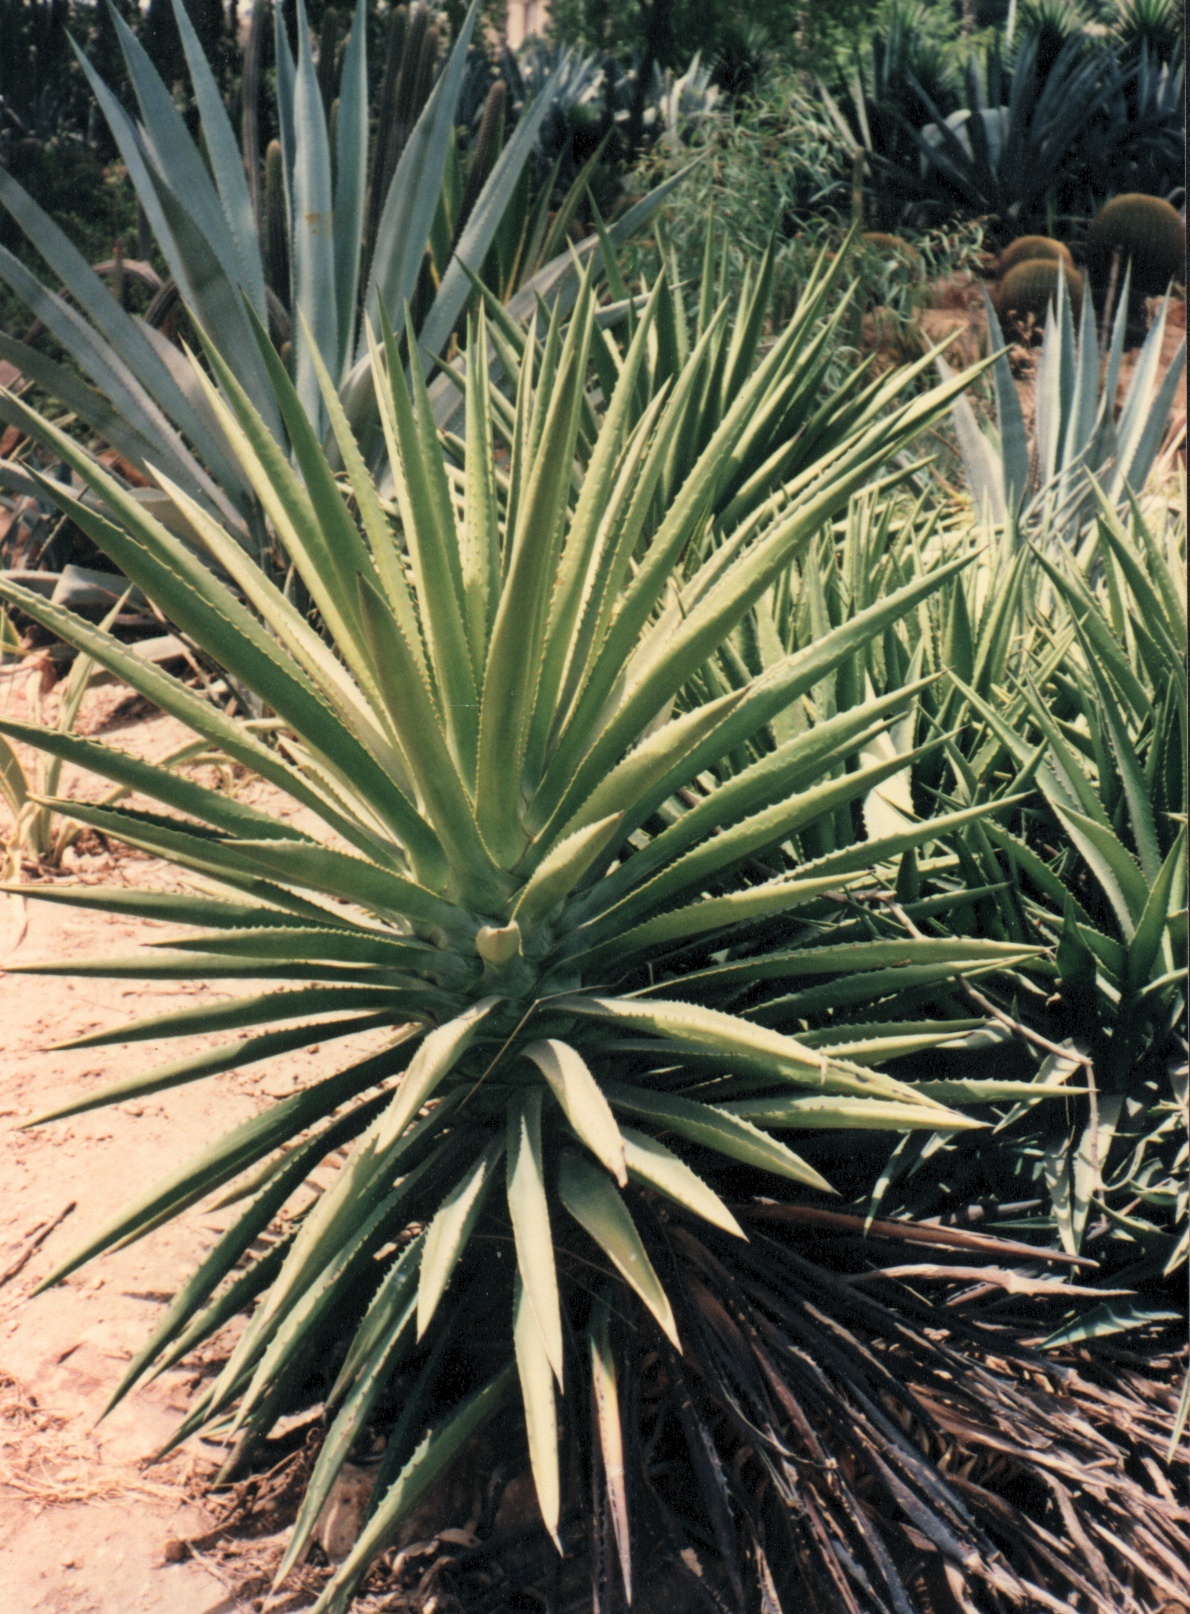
x: 84, y: 1526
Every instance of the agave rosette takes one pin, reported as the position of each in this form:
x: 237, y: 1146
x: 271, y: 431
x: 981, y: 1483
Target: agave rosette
x: 541, y: 859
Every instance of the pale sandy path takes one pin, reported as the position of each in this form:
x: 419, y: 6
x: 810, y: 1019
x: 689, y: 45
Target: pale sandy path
x: 62, y: 1353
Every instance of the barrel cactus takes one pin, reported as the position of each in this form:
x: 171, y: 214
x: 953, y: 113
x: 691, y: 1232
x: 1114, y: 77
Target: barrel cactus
x: 1147, y: 231
x: 1030, y: 248
x: 893, y: 246
x: 1032, y: 286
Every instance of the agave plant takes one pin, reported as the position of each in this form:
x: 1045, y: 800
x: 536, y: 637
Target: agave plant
x: 1066, y: 692
x: 1012, y: 151
x: 1098, y: 866
x: 220, y: 256
x: 1156, y: 26
x: 534, y: 830
x: 1049, y: 485
x: 817, y: 403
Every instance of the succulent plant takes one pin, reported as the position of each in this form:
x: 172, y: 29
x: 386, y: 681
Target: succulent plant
x: 1028, y: 249
x: 1082, y: 442
x: 1146, y: 230
x: 514, y: 719
x: 1032, y: 286
x: 1153, y: 25
x: 276, y: 231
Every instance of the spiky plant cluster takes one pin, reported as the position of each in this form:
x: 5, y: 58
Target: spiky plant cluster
x: 554, y: 858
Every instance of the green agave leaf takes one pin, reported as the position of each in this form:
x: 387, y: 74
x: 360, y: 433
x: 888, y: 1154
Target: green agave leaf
x: 348, y: 945
x: 583, y: 1104
x: 480, y: 560
x: 129, y: 342
x: 719, y: 854
x: 437, y: 1452
x: 337, y: 1230
x: 873, y: 854
x: 651, y: 769
x: 1039, y: 872
x: 231, y: 1247
x: 232, y: 1302
x: 173, y: 697
x: 116, y: 379
x: 949, y: 953
x: 292, y: 1342
x: 13, y: 784
x: 213, y: 1062
x: 1112, y: 865
x: 741, y: 1044
x: 199, y: 274
x: 437, y: 1055
x: 711, y: 914
x: 174, y: 154
x: 536, y: 1374
x: 396, y: 1291
x: 977, y: 1091
x: 1136, y: 791
x: 1107, y: 1318
x: 226, y: 162
x: 560, y: 871
x: 518, y: 630
x: 868, y: 1114
x: 226, y: 1158
x: 95, y: 410
x: 718, y: 1129
x: 873, y: 1044
x: 605, y: 1386
x: 335, y: 874
x: 312, y: 227
x: 869, y: 986
x: 408, y: 211
x: 389, y: 1324
x: 411, y: 707
x: 593, y: 1200
x: 752, y: 574
x: 162, y: 784
x: 491, y: 206
x: 351, y: 178
x: 1162, y: 611
x: 801, y: 761
x: 528, y: 1208
x: 308, y: 512
x: 447, y: 1235
x: 654, y: 1166
x: 238, y: 1012
x: 1149, y: 942
x: 565, y: 642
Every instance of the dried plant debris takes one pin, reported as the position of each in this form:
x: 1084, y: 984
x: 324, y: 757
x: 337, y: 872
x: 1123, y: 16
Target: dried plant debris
x: 857, y: 1439
x: 44, y: 1462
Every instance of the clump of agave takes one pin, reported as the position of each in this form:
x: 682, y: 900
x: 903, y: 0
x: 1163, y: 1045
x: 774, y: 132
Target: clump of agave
x: 345, y: 221
x: 550, y: 864
x: 1080, y: 440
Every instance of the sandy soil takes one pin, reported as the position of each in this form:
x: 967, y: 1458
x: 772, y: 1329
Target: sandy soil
x: 83, y: 1525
